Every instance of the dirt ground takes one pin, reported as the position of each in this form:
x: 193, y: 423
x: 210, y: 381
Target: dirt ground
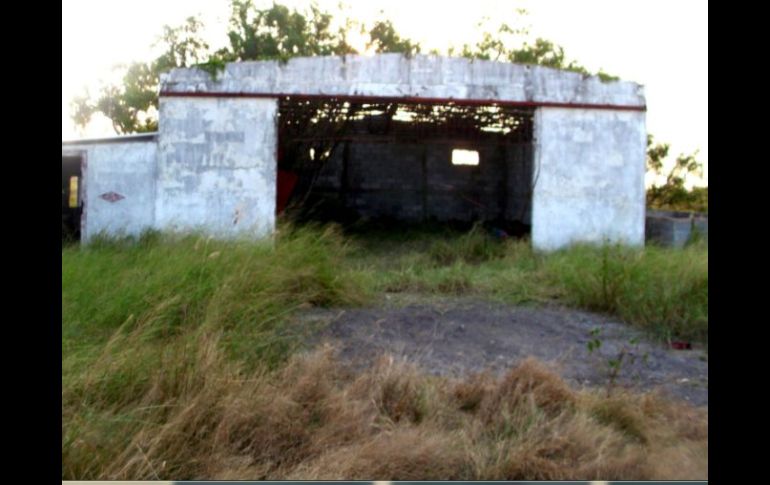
x: 456, y: 336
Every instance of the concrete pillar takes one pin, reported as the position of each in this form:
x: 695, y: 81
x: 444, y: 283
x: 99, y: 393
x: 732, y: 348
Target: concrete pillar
x: 588, y: 177
x: 217, y: 165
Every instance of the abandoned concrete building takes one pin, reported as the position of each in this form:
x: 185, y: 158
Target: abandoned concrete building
x: 410, y: 139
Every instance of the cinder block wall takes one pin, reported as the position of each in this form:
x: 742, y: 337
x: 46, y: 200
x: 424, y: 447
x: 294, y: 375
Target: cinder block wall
x: 675, y: 228
x: 417, y: 181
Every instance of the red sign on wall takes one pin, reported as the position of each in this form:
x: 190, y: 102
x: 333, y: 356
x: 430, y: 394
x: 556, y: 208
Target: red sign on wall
x: 111, y: 196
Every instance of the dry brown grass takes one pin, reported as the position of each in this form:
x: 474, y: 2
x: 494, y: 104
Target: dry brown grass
x: 312, y: 419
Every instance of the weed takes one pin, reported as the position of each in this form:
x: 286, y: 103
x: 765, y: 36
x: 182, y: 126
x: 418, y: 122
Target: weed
x: 625, y: 357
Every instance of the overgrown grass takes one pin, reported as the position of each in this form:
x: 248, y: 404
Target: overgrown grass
x: 311, y: 419
x: 177, y: 362
x: 164, y: 285
x: 663, y: 290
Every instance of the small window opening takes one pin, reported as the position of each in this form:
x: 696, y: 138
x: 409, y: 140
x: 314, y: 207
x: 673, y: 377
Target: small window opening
x: 465, y: 157
x: 73, y: 198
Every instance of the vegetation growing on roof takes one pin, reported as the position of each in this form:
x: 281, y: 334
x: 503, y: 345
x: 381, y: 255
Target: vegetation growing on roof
x: 672, y: 193
x: 280, y: 33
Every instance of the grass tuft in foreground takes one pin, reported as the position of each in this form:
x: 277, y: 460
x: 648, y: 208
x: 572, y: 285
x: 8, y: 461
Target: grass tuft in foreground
x: 312, y: 419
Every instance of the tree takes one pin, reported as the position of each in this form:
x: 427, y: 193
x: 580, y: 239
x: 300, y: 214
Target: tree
x: 384, y: 38
x: 274, y: 33
x: 673, y: 194
x: 502, y: 46
x: 132, y: 106
x: 280, y: 33
x: 277, y: 33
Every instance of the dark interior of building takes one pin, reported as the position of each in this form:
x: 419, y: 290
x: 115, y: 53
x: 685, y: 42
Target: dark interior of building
x: 71, y: 205
x: 415, y: 162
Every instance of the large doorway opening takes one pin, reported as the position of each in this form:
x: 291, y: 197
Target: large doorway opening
x: 71, y: 197
x: 347, y: 159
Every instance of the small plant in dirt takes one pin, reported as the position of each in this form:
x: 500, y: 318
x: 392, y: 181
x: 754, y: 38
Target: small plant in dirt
x: 625, y: 357
x: 595, y: 342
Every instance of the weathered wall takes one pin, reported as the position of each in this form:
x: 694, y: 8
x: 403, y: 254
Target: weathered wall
x: 395, y: 75
x: 589, y: 162
x: 125, y: 171
x: 675, y: 228
x: 387, y: 179
x: 589, y: 177
x: 217, y: 166
x: 216, y: 156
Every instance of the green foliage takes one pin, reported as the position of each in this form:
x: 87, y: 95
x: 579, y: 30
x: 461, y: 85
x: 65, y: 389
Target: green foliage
x: 280, y: 33
x: 132, y: 106
x: 595, y: 343
x: 213, y: 66
x: 626, y: 353
x: 500, y: 45
x: 604, y: 77
x: 273, y: 33
x: 384, y: 38
x: 672, y: 194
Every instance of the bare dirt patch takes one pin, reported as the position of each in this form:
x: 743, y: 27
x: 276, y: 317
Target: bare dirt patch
x: 461, y: 335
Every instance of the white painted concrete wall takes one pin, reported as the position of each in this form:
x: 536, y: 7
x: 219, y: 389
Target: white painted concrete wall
x: 124, y: 168
x: 395, y: 75
x: 217, y: 166
x: 214, y: 167
x: 590, y: 185
x: 589, y: 177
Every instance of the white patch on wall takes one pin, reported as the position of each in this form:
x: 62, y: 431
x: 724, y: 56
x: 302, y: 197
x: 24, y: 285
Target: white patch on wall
x: 465, y: 157
x: 582, y: 136
x: 615, y: 159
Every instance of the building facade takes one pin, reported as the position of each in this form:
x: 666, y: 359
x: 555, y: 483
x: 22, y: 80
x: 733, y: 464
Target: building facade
x: 571, y: 166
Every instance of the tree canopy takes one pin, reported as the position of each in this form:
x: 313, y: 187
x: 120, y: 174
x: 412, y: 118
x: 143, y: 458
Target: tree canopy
x: 280, y: 33
x: 673, y: 194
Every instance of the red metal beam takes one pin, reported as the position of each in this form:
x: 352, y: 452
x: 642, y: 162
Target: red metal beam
x: 403, y: 99
x: 398, y: 139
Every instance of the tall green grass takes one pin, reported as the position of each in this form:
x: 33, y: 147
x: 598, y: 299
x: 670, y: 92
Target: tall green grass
x: 168, y: 283
x: 662, y: 290
x: 124, y: 300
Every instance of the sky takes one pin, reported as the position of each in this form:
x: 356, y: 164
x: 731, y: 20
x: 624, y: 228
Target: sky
x: 662, y: 44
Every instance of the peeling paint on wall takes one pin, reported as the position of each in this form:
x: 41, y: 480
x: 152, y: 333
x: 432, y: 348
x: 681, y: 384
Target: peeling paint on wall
x: 225, y: 185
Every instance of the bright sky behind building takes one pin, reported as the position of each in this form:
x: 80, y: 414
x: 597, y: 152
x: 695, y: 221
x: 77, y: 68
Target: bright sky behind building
x: 662, y: 44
